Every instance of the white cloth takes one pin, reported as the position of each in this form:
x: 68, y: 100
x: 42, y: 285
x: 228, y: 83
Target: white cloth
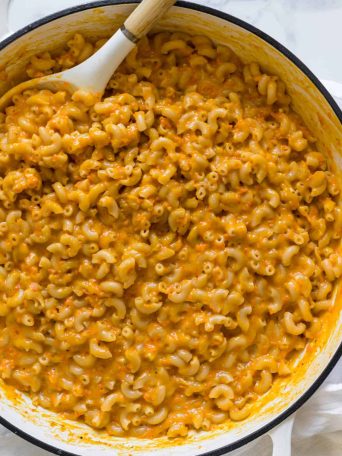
x: 317, y: 428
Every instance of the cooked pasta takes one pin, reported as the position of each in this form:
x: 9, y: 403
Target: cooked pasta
x: 168, y: 251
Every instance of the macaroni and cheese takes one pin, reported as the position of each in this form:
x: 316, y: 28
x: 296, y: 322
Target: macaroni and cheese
x: 166, y: 253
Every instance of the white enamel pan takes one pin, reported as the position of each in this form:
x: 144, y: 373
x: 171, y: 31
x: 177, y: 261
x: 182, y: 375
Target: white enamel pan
x: 321, y: 114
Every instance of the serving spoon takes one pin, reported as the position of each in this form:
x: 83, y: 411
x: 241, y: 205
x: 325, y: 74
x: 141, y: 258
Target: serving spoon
x: 94, y: 73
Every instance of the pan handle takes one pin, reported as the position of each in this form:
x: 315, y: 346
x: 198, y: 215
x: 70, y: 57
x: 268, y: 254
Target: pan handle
x: 281, y: 437
x: 4, y: 31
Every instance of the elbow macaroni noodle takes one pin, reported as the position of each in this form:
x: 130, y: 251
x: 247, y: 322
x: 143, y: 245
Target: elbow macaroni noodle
x: 166, y: 252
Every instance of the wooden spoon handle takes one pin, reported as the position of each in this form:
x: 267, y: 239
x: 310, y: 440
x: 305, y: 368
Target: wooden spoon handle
x: 145, y: 15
